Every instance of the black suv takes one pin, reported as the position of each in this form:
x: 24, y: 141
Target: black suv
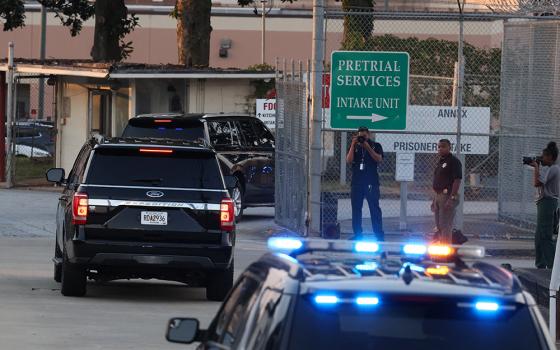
x: 365, y: 295
x: 139, y: 209
x: 245, y: 148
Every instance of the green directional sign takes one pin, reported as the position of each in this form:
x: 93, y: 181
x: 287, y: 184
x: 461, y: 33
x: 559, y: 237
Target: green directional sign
x: 369, y: 88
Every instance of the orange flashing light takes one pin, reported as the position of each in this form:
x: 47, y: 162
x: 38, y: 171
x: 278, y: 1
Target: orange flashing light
x: 162, y: 121
x: 437, y: 270
x: 440, y: 250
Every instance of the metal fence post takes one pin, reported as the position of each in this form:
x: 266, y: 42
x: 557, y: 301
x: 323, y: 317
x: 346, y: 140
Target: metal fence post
x: 459, y: 219
x: 10, y: 118
x: 343, y: 147
x: 40, y: 107
x: 316, y: 116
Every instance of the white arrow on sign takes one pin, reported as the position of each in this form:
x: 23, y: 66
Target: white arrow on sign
x: 374, y: 117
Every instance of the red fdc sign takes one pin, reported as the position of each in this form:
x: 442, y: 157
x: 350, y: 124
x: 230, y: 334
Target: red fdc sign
x: 269, y: 106
x: 326, y: 90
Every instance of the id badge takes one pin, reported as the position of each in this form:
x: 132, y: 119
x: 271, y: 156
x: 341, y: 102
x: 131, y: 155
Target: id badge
x: 361, y: 166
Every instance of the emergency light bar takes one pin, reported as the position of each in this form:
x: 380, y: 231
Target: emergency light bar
x: 295, y: 246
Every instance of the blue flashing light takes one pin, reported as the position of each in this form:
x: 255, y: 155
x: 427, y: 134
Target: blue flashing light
x: 367, y: 301
x: 161, y: 128
x: 367, y: 266
x: 287, y: 257
x: 415, y: 249
x: 487, y: 306
x: 413, y: 267
x: 326, y: 299
x: 366, y: 247
x: 179, y: 129
x: 284, y: 243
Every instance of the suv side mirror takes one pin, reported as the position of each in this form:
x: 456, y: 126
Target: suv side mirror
x: 182, y: 330
x: 56, y: 175
x: 231, y: 182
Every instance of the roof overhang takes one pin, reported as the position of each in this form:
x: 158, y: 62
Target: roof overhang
x: 50, y: 70
x: 169, y: 75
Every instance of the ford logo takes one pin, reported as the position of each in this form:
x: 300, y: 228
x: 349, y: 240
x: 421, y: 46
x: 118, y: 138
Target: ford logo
x: 154, y: 194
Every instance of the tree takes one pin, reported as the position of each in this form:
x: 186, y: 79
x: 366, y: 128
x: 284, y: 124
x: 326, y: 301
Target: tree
x: 112, y: 23
x: 358, y: 24
x: 194, y: 30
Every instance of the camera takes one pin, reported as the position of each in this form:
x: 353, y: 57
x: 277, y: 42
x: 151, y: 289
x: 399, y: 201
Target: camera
x: 530, y: 160
x: 361, y: 139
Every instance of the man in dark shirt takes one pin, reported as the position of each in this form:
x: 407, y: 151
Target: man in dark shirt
x: 447, y: 180
x: 364, y: 156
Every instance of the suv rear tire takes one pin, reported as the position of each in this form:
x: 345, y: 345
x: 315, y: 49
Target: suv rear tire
x: 74, y: 280
x: 219, y: 283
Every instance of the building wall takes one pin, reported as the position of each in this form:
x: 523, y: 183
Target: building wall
x: 155, y: 40
x: 73, y: 126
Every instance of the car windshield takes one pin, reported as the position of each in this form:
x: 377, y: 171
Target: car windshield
x: 130, y: 167
x: 190, y: 130
x: 410, y: 325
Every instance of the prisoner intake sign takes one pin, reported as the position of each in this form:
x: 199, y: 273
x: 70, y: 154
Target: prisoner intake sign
x: 440, y: 121
x: 369, y: 89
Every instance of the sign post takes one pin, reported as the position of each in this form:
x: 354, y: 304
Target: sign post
x: 369, y: 89
x: 404, y: 174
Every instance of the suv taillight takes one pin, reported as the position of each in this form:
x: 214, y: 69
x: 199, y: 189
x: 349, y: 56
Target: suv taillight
x: 79, y: 209
x: 227, y: 215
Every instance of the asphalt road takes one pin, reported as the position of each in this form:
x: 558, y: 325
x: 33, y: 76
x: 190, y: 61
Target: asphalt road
x: 115, y: 315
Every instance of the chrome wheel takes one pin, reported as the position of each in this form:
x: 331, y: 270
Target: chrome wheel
x: 238, y: 200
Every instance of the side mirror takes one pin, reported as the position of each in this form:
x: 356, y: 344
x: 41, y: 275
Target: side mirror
x: 56, y: 175
x: 182, y: 330
x: 231, y: 182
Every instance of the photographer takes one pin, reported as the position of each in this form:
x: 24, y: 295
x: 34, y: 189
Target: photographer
x: 364, y: 155
x: 547, y: 181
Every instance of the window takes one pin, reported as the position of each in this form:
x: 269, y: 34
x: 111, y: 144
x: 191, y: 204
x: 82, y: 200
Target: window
x: 191, y: 130
x: 233, y: 315
x: 27, y: 132
x: 269, y: 320
x: 249, y: 135
x: 180, y: 169
x: 75, y: 176
x: 223, y: 133
x: 398, y: 323
x: 263, y: 135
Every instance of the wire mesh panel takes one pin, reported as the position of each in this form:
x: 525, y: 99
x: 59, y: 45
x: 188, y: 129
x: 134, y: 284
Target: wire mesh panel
x: 34, y: 130
x: 291, y: 152
x: 509, y: 109
x: 432, y: 44
x: 530, y: 110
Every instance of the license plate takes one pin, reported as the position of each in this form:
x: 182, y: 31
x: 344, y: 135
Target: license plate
x: 153, y: 218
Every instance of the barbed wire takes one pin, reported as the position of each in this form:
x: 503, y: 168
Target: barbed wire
x: 528, y: 7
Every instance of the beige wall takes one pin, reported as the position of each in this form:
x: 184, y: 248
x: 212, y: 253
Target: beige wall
x: 72, y: 131
x: 155, y: 41
x: 228, y: 96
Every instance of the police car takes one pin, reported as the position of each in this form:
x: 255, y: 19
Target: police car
x: 322, y: 294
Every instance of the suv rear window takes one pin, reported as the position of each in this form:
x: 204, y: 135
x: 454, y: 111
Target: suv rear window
x: 190, y: 130
x: 410, y: 325
x: 125, y: 166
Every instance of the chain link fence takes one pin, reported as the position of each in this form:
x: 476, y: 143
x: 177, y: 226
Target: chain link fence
x: 509, y: 110
x: 530, y: 107
x: 292, y: 142
x: 34, y: 130
x: 432, y: 44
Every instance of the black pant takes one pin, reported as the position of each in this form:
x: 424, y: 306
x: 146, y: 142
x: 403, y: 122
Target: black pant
x: 371, y: 194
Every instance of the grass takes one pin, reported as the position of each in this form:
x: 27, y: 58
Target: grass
x: 32, y: 168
